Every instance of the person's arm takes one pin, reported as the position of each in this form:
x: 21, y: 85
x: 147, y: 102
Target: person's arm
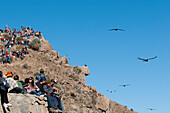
x: 36, y: 87
x: 28, y: 88
x: 1, y: 82
x: 46, y: 90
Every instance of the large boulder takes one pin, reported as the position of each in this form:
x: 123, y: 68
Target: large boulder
x: 102, y: 103
x: 26, y: 104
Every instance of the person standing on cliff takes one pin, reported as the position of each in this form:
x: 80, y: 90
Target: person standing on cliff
x: 4, y: 86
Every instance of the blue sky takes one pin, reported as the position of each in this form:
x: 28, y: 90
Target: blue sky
x: 79, y: 28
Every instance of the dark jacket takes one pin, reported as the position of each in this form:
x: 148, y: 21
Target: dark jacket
x: 40, y: 86
x: 40, y: 76
x: 48, y: 89
x: 2, y: 86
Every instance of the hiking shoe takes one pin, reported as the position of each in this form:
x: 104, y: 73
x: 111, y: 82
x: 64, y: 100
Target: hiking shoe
x: 5, y: 105
x: 41, y: 95
x: 9, y: 105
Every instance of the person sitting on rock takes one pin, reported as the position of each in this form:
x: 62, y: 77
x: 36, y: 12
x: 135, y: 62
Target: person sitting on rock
x: 52, y: 105
x: 13, y: 84
x: 41, y: 84
x: 33, y: 88
x: 16, y: 78
x: 57, y: 95
x: 3, y: 91
x: 41, y: 75
x: 48, y: 90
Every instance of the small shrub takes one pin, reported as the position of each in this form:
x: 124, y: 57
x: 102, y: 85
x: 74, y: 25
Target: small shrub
x: 72, y: 95
x: 35, y: 44
x: 79, y: 91
x: 6, y: 36
x: 75, y: 78
x: 25, y: 66
x: 19, y: 39
x: 77, y: 70
x: 67, y: 94
x: 19, y: 47
x: 67, y: 61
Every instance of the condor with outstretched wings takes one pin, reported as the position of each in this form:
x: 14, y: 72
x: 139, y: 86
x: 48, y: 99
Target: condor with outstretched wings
x: 124, y: 85
x: 111, y: 91
x: 151, y: 109
x: 146, y: 60
x: 116, y: 30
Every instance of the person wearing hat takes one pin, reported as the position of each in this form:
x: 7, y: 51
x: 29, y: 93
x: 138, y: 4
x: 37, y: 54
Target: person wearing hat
x: 13, y: 84
x: 56, y: 95
x: 48, y: 93
x: 53, y: 82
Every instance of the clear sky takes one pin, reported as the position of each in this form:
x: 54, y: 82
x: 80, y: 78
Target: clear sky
x: 79, y: 29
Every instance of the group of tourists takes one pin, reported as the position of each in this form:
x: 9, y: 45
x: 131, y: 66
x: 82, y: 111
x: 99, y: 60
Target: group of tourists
x: 38, y: 86
x: 10, y: 38
x: 10, y: 83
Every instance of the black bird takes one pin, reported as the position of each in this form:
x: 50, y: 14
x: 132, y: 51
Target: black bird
x: 116, y: 30
x: 146, y: 60
x: 85, y: 65
x: 124, y: 85
x: 151, y: 109
x: 111, y: 91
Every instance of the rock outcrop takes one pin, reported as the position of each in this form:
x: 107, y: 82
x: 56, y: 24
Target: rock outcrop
x: 77, y: 96
x: 26, y: 104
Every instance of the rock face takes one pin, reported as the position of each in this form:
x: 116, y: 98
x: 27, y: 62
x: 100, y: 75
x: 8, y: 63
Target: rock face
x: 77, y: 96
x: 26, y: 104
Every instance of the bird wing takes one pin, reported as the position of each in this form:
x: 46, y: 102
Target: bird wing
x: 111, y: 29
x: 152, y: 58
x: 121, y: 29
x: 128, y: 84
x: 141, y: 59
x: 151, y: 109
x: 123, y: 85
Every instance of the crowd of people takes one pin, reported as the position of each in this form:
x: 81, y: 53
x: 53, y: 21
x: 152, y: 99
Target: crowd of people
x: 9, y: 38
x: 39, y: 86
x: 10, y: 83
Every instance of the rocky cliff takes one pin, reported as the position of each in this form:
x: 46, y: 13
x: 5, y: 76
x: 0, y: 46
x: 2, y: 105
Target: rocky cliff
x: 77, y: 96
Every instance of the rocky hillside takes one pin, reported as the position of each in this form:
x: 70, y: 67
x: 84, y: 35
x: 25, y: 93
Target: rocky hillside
x: 77, y: 96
